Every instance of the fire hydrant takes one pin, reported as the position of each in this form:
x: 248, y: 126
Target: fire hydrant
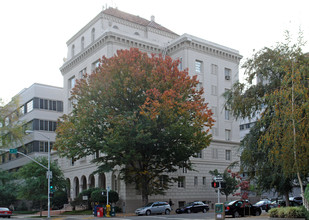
x: 108, y: 210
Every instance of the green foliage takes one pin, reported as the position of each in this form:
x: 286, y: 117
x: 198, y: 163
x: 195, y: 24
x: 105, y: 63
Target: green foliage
x: 277, y: 146
x: 8, y: 193
x: 34, y: 182
x: 139, y: 113
x: 96, y: 196
x: 307, y: 192
x: 231, y: 183
x: 287, y: 212
x: 11, y: 128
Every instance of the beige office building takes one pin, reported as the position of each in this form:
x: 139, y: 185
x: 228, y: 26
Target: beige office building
x: 217, y: 69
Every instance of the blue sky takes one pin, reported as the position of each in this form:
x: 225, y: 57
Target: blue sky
x: 34, y: 32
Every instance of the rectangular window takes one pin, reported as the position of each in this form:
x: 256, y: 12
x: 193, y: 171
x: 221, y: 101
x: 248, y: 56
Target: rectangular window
x: 214, y: 69
x: 181, y: 182
x: 198, y: 155
x: 214, y: 152
x: 184, y: 170
x: 30, y: 106
x: 95, y: 65
x: 82, y: 72
x: 198, y: 66
x: 228, y: 155
x: 227, y: 134
x: 195, y: 181
x: 180, y: 63
x: 227, y: 114
x: 22, y: 110
x: 227, y: 73
x: 241, y: 127
x: 214, y: 131
x: 204, y: 180
x: 214, y: 90
x: 72, y: 82
x: 214, y: 111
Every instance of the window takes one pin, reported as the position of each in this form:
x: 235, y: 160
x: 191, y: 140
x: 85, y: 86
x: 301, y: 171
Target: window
x: 204, y: 180
x: 184, y: 170
x: 214, y: 131
x: 72, y: 82
x: 29, y: 106
x: 95, y: 64
x: 163, y: 181
x: 73, y: 50
x: 199, y: 154
x: 195, y: 181
x: 227, y: 154
x: 214, y: 153
x: 227, y: 114
x: 82, y: 43
x: 241, y: 127
x: 22, y: 110
x: 227, y: 134
x: 92, y: 34
x: 213, y: 90
x: 82, y: 72
x: 214, y: 69
x: 214, y: 111
x: 181, y: 182
x: 180, y: 63
x: 227, y: 73
x: 198, y: 66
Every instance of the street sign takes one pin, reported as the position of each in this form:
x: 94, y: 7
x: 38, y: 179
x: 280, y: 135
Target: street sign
x: 50, y: 174
x: 13, y: 151
x: 218, y: 178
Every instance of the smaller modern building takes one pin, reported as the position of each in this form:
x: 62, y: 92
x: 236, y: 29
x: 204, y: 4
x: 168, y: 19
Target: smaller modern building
x: 40, y: 106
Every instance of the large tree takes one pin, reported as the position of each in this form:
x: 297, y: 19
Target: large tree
x: 140, y: 113
x: 34, y: 184
x: 280, y: 98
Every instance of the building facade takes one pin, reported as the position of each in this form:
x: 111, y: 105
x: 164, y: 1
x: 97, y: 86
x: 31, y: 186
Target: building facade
x: 217, y: 69
x: 40, y: 106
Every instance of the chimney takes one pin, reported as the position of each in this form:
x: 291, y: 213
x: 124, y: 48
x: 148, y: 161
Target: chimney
x: 152, y: 18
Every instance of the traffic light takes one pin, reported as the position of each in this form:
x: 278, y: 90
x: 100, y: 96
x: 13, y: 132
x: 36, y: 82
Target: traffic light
x: 215, y: 184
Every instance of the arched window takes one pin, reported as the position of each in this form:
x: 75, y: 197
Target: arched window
x: 136, y: 33
x: 82, y: 42
x: 115, y: 27
x: 93, y: 34
x: 73, y: 50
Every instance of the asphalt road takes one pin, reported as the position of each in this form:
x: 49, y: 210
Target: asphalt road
x: 193, y: 216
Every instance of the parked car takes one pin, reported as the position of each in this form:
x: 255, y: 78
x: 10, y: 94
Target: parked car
x: 239, y: 208
x: 154, y: 208
x: 264, y: 204
x: 193, y: 207
x: 297, y: 199
x: 282, y: 203
x: 5, y: 212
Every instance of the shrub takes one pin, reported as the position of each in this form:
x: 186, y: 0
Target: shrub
x: 288, y: 212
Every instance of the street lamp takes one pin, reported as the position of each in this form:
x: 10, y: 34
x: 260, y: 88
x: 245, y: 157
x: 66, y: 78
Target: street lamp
x: 48, y: 169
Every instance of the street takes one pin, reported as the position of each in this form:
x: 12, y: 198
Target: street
x: 193, y: 216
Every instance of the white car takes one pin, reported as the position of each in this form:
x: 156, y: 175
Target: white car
x: 154, y: 208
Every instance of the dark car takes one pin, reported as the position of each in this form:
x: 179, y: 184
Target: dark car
x: 5, y: 212
x: 193, y: 207
x: 239, y: 208
x: 264, y: 204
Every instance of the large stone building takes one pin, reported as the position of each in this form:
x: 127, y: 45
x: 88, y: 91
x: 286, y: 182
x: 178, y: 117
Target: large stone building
x: 216, y: 67
x: 39, y: 108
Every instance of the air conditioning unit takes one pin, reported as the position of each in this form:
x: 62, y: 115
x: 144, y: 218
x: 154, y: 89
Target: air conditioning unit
x: 227, y: 77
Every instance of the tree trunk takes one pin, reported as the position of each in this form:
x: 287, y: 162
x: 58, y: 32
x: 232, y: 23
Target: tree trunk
x: 41, y: 208
x: 287, y: 201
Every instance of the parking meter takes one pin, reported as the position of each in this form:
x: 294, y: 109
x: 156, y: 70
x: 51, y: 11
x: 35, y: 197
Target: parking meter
x: 219, y: 211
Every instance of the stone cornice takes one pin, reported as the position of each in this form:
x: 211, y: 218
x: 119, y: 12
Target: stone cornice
x: 106, y: 38
x: 191, y: 42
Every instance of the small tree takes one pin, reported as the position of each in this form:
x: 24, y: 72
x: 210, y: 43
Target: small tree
x: 34, y: 185
x: 230, y: 183
x: 8, y: 193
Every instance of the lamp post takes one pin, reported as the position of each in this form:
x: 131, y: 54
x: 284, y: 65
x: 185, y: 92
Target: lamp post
x: 48, y: 169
